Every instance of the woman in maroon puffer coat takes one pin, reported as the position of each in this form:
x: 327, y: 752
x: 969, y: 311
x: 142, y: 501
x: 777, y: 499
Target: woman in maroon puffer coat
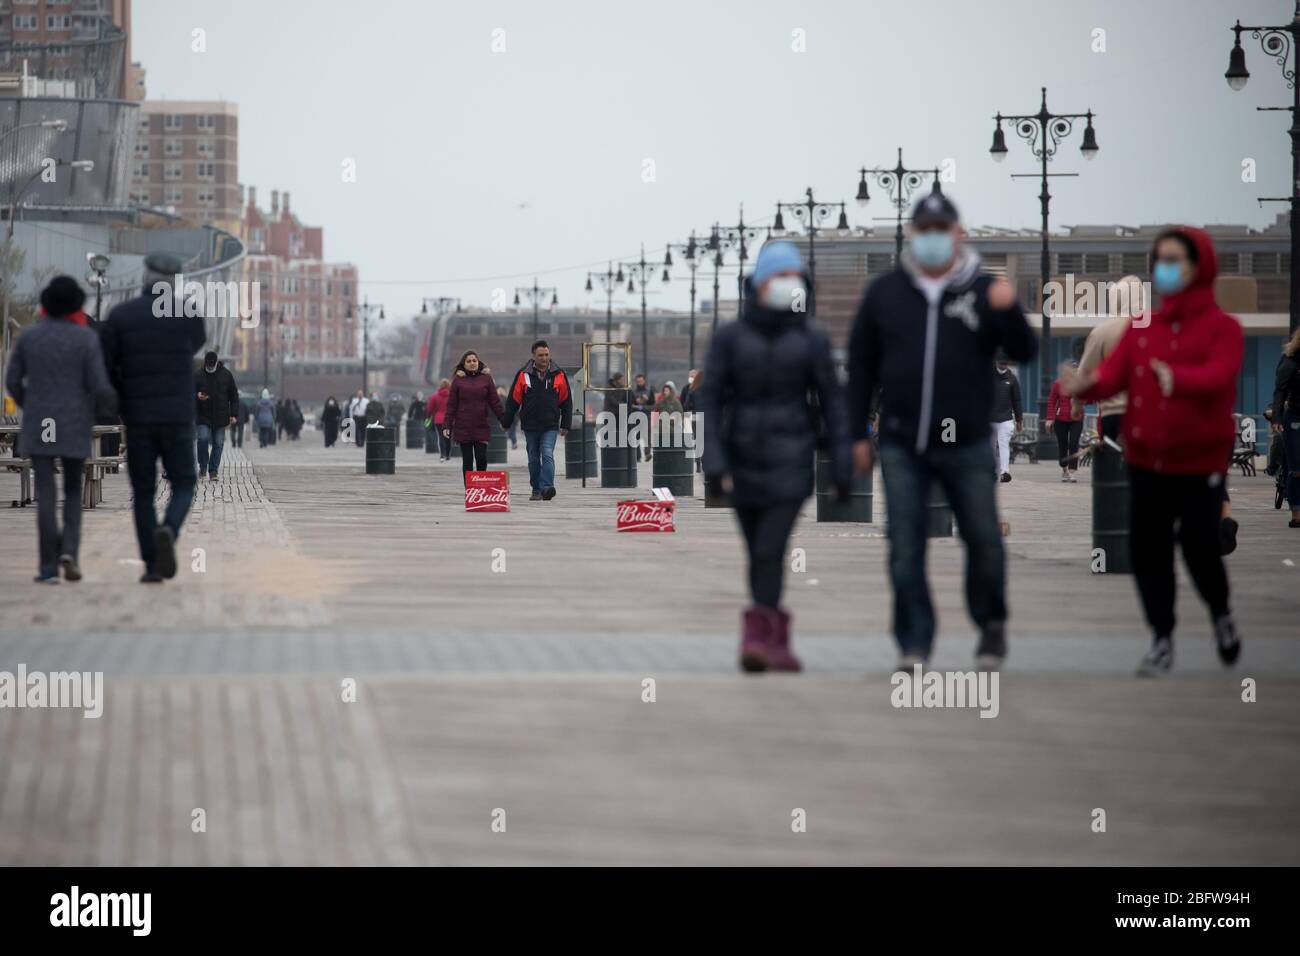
x: 473, y: 395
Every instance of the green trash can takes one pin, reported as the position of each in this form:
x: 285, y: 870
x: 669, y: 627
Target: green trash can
x: 859, y: 505
x: 381, y: 450
x: 498, y: 450
x: 1110, y: 512
x: 580, y: 443
x: 618, y: 467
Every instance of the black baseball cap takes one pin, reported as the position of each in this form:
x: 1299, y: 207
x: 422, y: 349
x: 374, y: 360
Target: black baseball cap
x: 935, y: 209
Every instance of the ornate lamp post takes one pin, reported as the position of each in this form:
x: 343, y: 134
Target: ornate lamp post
x: 535, y: 294
x: 899, y: 183
x: 642, y: 273
x: 1277, y: 42
x: 1043, y: 131
x: 810, y: 212
x: 693, y: 253
x: 366, y: 310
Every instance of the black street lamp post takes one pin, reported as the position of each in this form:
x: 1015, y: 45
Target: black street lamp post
x: 642, y: 273
x: 535, y: 293
x: 739, y: 238
x: 1044, y: 131
x: 810, y: 212
x: 899, y: 183
x: 441, y: 304
x: 366, y: 310
x: 609, y: 280
x: 1277, y: 42
x: 693, y: 253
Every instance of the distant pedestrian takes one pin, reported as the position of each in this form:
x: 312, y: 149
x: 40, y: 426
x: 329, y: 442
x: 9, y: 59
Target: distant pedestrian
x: 925, y: 335
x: 1066, y: 423
x: 1180, y: 372
x: 436, y: 413
x: 218, y: 409
x: 473, y: 396
x: 667, y: 402
x: 541, y: 398
x: 241, y: 421
x: 396, y: 407
x: 357, y: 411
x: 1007, y: 414
x: 1286, y: 421
x: 760, y: 439
x: 415, y: 411
x: 150, y: 356
x: 296, y: 419
x: 56, y: 374
x: 329, y: 419
x: 690, y: 406
x: 642, y: 400
x: 265, y: 417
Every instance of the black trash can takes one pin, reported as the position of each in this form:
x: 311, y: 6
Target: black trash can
x: 381, y: 450
x: 940, y: 525
x: 618, y: 467
x: 431, y: 440
x: 414, y: 432
x: 670, y: 466
x: 580, y: 442
x: 498, y: 450
x: 1110, y: 512
x: 860, y: 503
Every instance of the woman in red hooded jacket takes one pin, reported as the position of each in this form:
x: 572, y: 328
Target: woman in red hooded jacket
x: 436, y: 412
x: 1180, y: 371
x: 473, y: 395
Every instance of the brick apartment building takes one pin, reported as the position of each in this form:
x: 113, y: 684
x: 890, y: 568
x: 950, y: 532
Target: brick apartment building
x: 187, y: 161
x: 87, y: 41
x: 309, y: 306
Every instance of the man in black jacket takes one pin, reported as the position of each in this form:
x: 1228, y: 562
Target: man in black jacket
x: 541, y: 397
x: 218, y: 408
x: 149, y: 345
x: 1006, y: 416
x: 925, y: 335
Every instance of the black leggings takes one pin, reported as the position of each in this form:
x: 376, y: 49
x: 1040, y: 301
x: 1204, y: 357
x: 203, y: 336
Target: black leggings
x: 1067, y: 442
x: 473, y: 456
x: 1158, y: 502
x: 767, y: 530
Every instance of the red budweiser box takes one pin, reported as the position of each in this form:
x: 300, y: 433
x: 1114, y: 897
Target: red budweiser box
x: 487, y: 491
x: 645, y: 516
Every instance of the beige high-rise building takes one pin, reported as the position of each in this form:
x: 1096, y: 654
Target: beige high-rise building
x: 187, y: 161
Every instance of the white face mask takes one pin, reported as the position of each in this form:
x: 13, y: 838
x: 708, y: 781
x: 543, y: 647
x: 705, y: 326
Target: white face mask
x: 786, y: 294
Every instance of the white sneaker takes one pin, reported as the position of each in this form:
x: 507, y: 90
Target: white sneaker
x: 1073, y: 477
x: 1065, y: 475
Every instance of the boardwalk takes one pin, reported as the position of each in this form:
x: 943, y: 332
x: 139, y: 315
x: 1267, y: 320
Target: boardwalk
x: 518, y: 690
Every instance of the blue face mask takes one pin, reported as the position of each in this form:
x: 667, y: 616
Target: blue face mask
x: 1167, y: 277
x: 932, y: 249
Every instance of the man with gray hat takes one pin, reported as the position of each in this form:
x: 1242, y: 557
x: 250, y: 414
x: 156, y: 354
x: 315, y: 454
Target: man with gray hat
x: 149, y: 347
x: 218, y: 409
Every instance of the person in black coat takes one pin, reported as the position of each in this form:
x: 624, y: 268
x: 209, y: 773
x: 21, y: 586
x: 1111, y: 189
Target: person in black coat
x: 149, y: 346
x: 218, y: 409
x: 925, y: 336
x: 760, y: 433
x: 329, y: 419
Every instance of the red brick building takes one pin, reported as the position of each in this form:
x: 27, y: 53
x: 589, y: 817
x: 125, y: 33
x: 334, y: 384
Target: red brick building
x: 308, y: 305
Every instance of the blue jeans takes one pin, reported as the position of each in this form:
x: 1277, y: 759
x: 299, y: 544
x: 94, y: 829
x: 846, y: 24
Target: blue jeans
x: 541, y: 458
x: 145, y: 444
x: 966, y: 474
x: 204, y: 434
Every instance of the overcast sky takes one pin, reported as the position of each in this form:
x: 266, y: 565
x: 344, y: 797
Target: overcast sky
x: 476, y: 169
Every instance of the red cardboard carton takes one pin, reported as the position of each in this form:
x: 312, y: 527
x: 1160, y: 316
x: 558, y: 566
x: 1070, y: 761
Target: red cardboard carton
x: 487, y: 491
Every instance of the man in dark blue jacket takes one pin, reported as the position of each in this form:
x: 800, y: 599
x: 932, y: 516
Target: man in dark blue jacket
x: 925, y: 336
x: 149, y: 347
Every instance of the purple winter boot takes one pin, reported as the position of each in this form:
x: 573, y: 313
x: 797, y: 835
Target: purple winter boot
x: 755, y: 640
x: 779, y: 655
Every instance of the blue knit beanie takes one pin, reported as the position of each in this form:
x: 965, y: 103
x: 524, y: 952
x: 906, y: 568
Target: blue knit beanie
x: 774, y: 257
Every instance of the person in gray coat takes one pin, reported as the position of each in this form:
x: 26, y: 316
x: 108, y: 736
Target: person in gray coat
x: 57, y: 376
